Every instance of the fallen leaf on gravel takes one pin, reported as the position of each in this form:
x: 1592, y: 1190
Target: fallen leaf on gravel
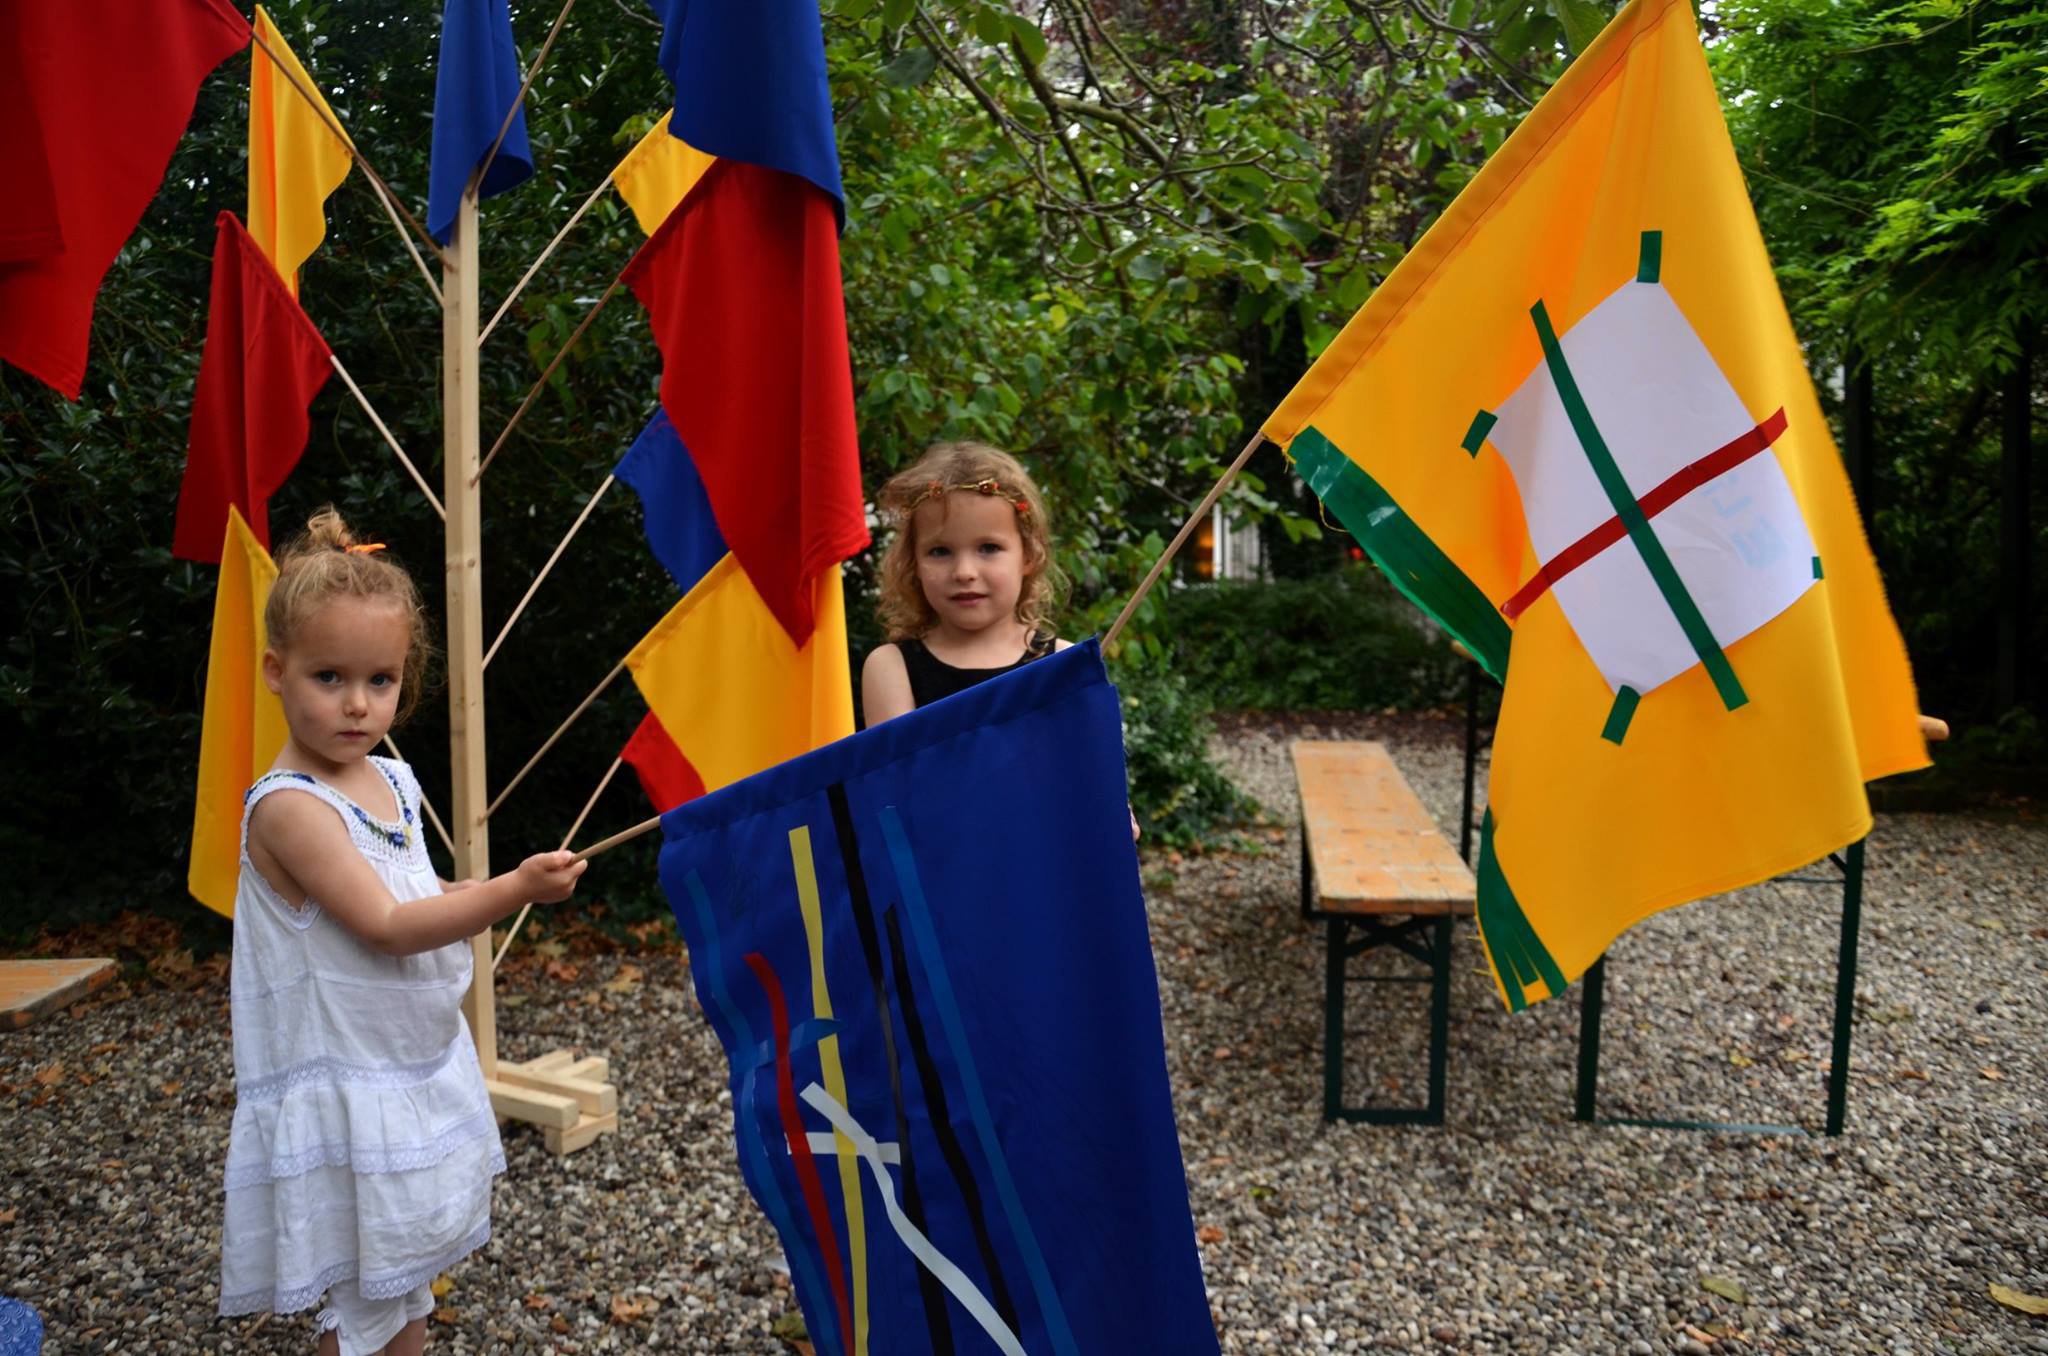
x: 441, y: 1286
x: 558, y: 1323
x: 1739, y: 1060
x: 107, y: 1049
x: 1920, y: 1074
x: 552, y: 950
x: 1993, y: 1074
x: 1223, y: 1052
x: 171, y: 1089
x: 1727, y: 1287
x: 1700, y: 1335
x: 563, y: 971
x: 6, y: 1216
x: 627, y: 981
x: 447, y: 1316
x: 627, y: 1308
x: 49, y: 1075
x: 538, y: 1301
x: 1208, y: 1234
x: 790, y: 1328
x: 2016, y: 1299
x: 1792, y: 1056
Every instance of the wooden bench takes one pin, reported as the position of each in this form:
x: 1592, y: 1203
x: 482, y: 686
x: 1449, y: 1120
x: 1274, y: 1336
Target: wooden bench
x: 1377, y: 871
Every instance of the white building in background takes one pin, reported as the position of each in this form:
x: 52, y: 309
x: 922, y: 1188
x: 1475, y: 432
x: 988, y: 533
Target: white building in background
x: 1227, y: 548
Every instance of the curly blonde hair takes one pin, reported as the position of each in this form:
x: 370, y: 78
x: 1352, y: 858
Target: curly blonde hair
x: 327, y: 561
x: 906, y: 613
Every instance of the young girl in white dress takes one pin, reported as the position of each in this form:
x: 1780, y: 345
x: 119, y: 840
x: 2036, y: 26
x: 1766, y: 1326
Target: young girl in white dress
x: 363, y: 1147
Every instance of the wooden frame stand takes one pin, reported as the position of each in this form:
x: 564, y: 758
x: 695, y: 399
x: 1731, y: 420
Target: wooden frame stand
x: 569, y: 1098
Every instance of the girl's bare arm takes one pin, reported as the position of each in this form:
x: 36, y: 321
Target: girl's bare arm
x: 884, y: 686
x: 303, y: 849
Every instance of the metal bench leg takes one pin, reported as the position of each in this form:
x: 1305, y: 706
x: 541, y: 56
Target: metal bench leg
x: 1845, y: 986
x: 1592, y: 991
x: 1308, y: 898
x: 1439, y: 1019
x: 1333, y: 1019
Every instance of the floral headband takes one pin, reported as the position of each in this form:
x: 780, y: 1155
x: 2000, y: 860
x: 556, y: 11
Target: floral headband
x: 938, y: 489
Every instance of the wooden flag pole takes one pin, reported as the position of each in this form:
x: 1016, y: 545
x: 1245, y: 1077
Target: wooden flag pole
x: 567, y: 839
x: 1186, y: 530
x: 623, y: 836
x: 565, y: 1096
x: 461, y: 441
x: 542, y: 258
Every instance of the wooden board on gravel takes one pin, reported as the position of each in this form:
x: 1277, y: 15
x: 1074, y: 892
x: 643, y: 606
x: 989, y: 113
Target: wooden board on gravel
x: 31, y: 988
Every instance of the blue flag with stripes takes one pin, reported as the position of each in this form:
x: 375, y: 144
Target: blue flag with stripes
x: 924, y: 951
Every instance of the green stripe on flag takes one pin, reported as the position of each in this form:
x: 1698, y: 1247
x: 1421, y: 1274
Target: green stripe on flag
x: 1518, y: 954
x: 1623, y: 501
x: 1475, y: 437
x: 1620, y: 714
x: 1650, y: 261
x: 1417, y: 565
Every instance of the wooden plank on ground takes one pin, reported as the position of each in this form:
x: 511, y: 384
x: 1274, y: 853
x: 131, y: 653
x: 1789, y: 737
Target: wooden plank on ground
x: 1373, y: 847
x: 596, y: 1098
x: 32, y: 988
x: 580, y: 1134
x: 545, y: 1109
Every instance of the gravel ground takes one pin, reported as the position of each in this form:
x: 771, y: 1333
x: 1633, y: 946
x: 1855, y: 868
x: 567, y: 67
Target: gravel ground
x: 1511, y: 1229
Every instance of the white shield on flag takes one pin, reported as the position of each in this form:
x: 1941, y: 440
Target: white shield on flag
x: 1670, y: 421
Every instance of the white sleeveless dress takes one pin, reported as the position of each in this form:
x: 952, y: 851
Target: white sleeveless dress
x: 363, y: 1145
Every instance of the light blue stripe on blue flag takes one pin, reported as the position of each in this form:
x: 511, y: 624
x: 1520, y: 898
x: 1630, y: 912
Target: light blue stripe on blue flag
x: 476, y: 81
x: 1029, y: 1083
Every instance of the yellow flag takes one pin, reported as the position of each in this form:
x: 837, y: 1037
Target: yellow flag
x: 243, y: 727
x: 1574, y: 425
x: 295, y: 158
x: 656, y: 174
x: 730, y: 687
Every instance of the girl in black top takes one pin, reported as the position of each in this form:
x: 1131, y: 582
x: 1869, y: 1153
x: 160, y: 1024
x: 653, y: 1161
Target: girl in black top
x: 968, y: 581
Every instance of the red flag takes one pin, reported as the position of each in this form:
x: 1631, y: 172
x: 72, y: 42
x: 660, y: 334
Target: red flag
x: 96, y: 103
x: 741, y: 286
x: 665, y: 774
x: 264, y: 363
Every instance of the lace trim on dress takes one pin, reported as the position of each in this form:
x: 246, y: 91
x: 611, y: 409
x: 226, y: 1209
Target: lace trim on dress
x: 364, y: 1160
x: 397, y: 841
x: 327, y: 1069
x: 285, y: 1301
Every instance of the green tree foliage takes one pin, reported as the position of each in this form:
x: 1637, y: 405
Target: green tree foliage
x: 1103, y: 233
x: 1898, y: 157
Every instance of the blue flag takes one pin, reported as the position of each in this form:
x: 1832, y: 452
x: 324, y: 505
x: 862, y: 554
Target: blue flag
x: 750, y: 85
x: 476, y: 82
x: 681, y: 529
x: 924, y: 951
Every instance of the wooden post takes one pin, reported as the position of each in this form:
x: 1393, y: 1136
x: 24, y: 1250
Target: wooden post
x: 461, y: 444
x: 568, y: 1100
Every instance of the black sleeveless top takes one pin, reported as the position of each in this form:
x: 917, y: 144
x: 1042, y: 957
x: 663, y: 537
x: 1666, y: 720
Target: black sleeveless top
x: 932, y: 677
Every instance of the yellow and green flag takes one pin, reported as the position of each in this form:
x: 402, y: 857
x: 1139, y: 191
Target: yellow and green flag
x: 243, y: 726
x: 1575, y: 426
x: 295, y: 158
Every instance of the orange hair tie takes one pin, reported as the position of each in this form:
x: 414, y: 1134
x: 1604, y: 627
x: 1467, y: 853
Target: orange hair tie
x: 364, y: 548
